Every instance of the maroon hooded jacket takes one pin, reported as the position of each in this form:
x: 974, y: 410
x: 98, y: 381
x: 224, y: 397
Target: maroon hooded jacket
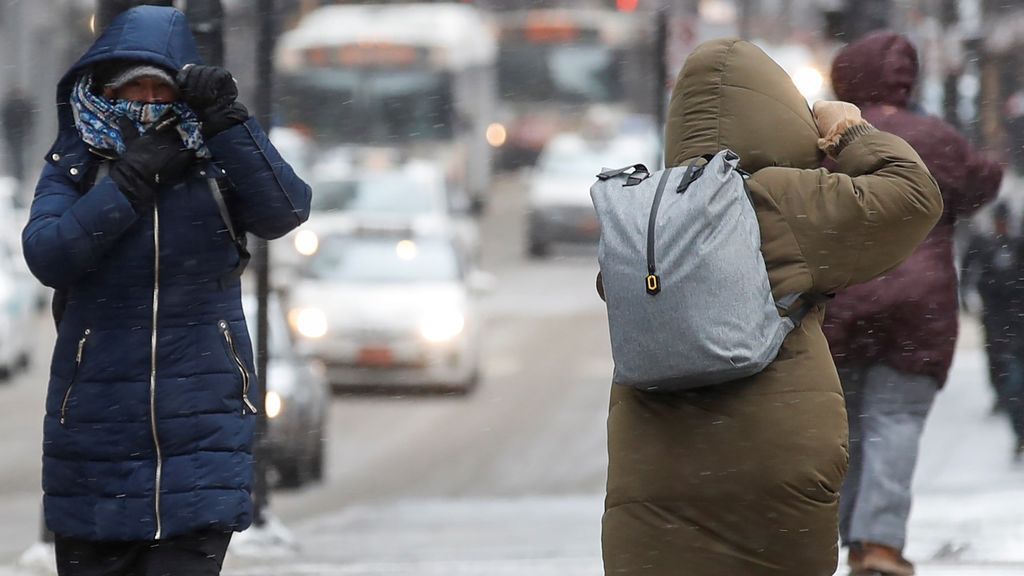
x: 907, y: 319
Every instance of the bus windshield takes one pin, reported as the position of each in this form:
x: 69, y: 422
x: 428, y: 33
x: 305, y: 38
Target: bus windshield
x: 569, y: 72
x: 376, y: 106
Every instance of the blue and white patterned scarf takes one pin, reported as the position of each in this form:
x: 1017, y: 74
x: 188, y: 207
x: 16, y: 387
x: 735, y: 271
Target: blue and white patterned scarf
x: 96, y: 119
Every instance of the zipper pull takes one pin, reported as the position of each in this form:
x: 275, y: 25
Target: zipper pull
x: 249, y: 405
x: 81, y: 346
x: 653, y: 284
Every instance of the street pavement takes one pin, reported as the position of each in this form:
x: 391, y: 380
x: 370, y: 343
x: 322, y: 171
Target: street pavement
x: 509, y: 480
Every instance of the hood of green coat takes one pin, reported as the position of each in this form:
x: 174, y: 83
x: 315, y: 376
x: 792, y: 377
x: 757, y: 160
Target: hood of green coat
x: 730, y: 94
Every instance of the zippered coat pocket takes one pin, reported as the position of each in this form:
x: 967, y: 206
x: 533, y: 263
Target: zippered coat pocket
x: 79, y: 356
x: 229, y: 342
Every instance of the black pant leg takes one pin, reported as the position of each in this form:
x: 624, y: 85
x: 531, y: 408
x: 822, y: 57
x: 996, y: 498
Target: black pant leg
x: 89, y: 558
x: 198, y: 554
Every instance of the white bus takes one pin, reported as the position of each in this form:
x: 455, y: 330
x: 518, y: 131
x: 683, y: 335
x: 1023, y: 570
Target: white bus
x: 417, y: 78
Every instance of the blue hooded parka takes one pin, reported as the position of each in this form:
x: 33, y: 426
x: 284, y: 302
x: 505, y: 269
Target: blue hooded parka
x: 149, y: 412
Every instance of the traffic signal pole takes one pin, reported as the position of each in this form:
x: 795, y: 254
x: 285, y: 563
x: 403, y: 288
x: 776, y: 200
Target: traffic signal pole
x: 263, y: 105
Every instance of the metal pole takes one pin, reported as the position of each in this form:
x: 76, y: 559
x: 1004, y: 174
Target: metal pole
x: 661, y: 62
x: 206, y: 20
x: 107, y: 10
x: 263, y: 108
x: 745, y: 17
x: 949, y: 17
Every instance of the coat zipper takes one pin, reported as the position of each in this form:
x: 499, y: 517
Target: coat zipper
x: 74, y: 375
x: 152, y: 369
x: 226, y: 331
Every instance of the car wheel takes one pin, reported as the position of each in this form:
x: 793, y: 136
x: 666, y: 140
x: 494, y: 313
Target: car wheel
x: 316, y: 461
x: 23, y: 361
x: 5, y: 373
x: 537, y: 248
x: 289, y: 474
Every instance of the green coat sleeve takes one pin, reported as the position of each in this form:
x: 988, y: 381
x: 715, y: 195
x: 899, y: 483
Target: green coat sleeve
x: 854, y: 224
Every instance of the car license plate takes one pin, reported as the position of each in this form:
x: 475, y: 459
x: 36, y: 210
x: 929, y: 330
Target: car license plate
x: 375, y: 356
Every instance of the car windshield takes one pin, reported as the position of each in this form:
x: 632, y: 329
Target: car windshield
x: 384, y: 260
x: 397, y: 194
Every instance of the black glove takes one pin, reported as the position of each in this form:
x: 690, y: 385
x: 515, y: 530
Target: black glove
x: 211, y: 92
x: 156, y: 156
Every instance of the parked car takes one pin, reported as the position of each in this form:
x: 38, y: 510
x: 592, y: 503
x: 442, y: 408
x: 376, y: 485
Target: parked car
x: 412, y: 197
x: 384, y: 310
x: 20, y: 292
x: 297, y: 402
x: 559, y: 205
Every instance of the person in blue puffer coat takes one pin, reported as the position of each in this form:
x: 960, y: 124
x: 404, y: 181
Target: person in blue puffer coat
x: 150, y: 410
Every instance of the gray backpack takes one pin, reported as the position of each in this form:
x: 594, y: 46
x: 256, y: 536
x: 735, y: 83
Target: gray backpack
x: 689, y: 303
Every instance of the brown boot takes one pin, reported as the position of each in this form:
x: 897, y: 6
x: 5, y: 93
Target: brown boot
x: 877, y: 558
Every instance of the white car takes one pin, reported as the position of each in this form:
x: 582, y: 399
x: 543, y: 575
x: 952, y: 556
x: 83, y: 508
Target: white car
x: 385, y: 310
x: 20, y: 292
x: 409, y: 198
x: 559, y: 205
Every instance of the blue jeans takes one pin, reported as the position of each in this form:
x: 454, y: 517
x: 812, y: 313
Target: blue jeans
x: 887, y: 411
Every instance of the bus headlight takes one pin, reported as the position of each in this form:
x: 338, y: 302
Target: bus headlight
x: 497, y: 135
x: 442, y: 326
x: 307, y: 242
x: 308, y: 322
x: 274, y: 404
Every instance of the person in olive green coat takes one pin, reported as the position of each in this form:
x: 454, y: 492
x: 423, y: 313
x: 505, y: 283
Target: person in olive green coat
x: 743, y: 479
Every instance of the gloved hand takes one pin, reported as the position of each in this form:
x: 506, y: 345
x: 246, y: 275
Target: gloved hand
x: 211, y: 92
x: 158, y: 155
x: 833, y: 119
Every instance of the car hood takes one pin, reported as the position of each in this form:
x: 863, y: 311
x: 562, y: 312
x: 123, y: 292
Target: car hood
x: 560, y: 190
x: 396, y: 306
x: 323, y: 223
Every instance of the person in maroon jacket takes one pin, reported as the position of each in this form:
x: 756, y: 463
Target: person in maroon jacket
x: 893, y: 338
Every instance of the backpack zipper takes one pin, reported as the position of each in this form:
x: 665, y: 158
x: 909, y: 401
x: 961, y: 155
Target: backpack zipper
x: 653, y: 281
x: 74, y: 375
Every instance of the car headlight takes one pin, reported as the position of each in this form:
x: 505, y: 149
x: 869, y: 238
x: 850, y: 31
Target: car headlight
x: 307, y: 242
x: 497, y: 135
x: 308, y: 322
x: 809, y: 82
x: 442, y: 326
x: 274, y: 404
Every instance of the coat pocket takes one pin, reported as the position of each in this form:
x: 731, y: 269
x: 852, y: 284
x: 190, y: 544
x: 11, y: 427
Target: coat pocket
x: 79, y: 356
x: 229, y: 343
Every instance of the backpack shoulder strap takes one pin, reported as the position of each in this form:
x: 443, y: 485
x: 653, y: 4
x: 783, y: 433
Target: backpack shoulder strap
x: 809, y: 301
x: 239, y: 241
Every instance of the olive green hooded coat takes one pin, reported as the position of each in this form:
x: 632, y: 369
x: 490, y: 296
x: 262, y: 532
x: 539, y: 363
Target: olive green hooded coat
x: 743, y: 479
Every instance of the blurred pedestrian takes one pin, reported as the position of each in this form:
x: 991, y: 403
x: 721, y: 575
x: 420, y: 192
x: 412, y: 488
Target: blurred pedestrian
x: 743, y: 478
x: 996, y: 263
x: 1014, y: 118
x: 150, y: 411
x: 893, y: 338
x: 18, y: 111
